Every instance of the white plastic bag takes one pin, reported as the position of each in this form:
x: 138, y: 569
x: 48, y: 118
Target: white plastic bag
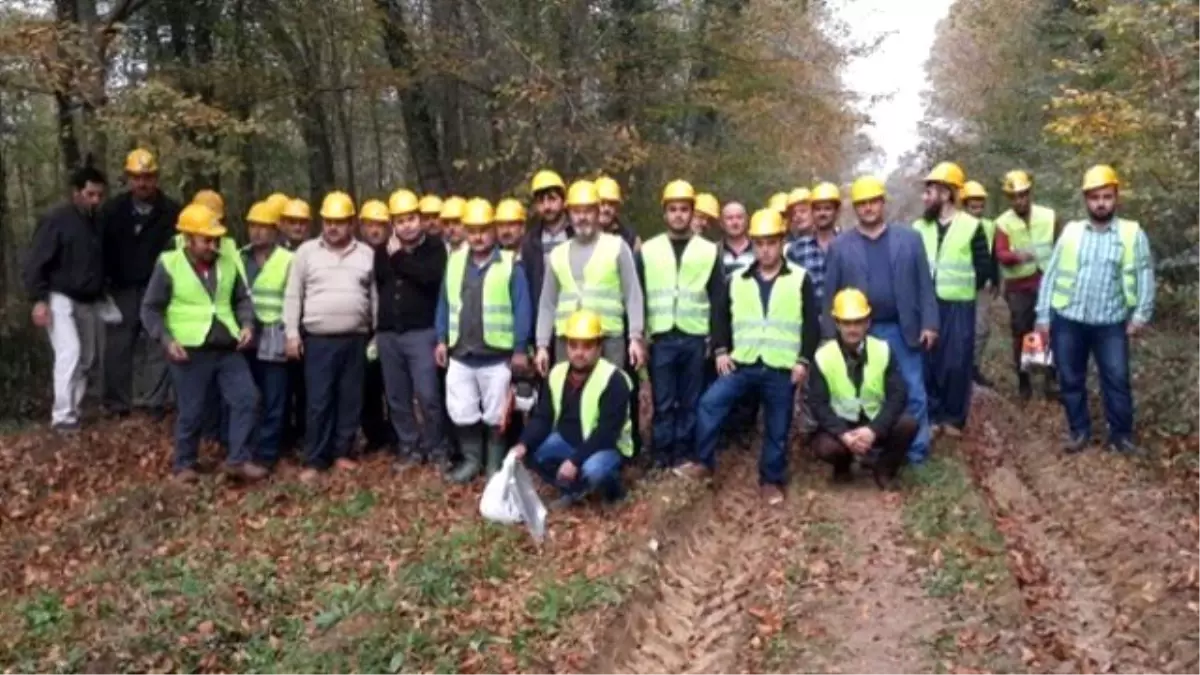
x: 108, y: 311
x: 510, y: 498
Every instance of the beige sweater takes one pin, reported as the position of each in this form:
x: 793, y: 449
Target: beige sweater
x: 330, y: 292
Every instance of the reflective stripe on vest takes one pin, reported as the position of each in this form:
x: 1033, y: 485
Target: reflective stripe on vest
x: 191, y: 310
x: 953, y: 271
x: 497, y: 301
x: 847, y: 402
x: 677, y: 298
x: 601, y: 290
x: 1036, y: 237
x: 773, y: 335
x: 269, y: 285
x: 1068, y: 262
x: 589, y: 401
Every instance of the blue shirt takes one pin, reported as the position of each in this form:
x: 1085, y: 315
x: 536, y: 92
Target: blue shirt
x: 807, y: 253
x: 1098, y: 297
x: 518, y: 289
x: 879, y: 290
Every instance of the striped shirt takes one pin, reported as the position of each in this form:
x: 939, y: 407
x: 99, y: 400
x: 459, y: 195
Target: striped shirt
x: 733, y: 262
x: 1098, y: 297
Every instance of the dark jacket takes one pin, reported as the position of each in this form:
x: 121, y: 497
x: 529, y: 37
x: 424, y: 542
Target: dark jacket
x: 132, y: 242
x: 159, y: 292
x: 614, y: 409
x: 66, y: 256
x: 895, y: 398
x: 626, y: 233
x: 722, y: 317
x: 409, y: 284
x: 534, y: 258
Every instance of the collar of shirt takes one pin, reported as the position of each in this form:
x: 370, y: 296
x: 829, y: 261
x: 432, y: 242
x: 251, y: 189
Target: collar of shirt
x: 1107, y: 227
x: 856, y: 352
x: 493, y: 257
x: 734, y: 251
x: 752, y: 270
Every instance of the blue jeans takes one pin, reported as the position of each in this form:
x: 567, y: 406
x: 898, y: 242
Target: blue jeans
x: 333, y: 376
x: 272, y: 381
x: 912, y: 368
x: 1072, y: 342
x: 601, y: 472
x: 195, y: 380
x: 776, y: 391
x: 676, y: 375
x: 950, y: 366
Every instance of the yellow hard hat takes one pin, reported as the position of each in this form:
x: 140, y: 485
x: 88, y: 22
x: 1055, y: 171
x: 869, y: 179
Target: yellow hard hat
x: 478, y: 213
x: 583, y: 193
x: 404, y: 202
x: 510, y: 211
x: 430, y: 205
x: 608, y: 189
x: 212, y: 199
x: 262, y: 213
x: 277, y: 200
x: 766, y: 223
x: 707, y: 204
x: 948, y: 173
x: 1016, y: 182
x: 140, y: 161
x: 850, y: 304
x: 452, y: 208
x: 545, y: 180
x: 1101, y: 175
x: 337, y: 205
x: 866, y: 188
x: 200, y: 220
x: 375, y: 211
x: 826, y: 192
x: 678, y: 190
x: 972, y: 190
x: 584, y: 324
x: 778, y: 202
x: 297, y: 209
x: 800, y: 195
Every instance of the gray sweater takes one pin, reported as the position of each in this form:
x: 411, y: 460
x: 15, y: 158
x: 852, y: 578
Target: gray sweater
x: 579, y: 254
x: 331, y: 292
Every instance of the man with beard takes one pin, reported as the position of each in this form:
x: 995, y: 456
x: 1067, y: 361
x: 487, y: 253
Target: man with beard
x: 374, y: 227
x: 510, y: 224
x: 1098, y: 293
x: 1024, y: 242
x: 450, y: 223
x: 808, y: 250
x: 295, y: 221
x: 957, y: 252
x: 610, y: 212
x: 430, y: 207
x: 547, y: 229
x: 974, y: 201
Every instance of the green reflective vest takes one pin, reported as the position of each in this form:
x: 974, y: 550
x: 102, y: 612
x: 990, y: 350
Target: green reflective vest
x: 227, y: 249
x: 589, y: 401
x: 497, y: 301
x: 677, y: 297
x: 1036, y: 237
x: 269, y: 285
x: 772, y: 335
x: 1068, y: 262
x: 848, y: 402
x: 953, y: 271
x: 601, y: 290
x: 191, y: 311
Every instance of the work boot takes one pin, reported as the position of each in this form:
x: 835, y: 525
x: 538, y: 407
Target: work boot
x: 472, y: 455
x: 980, y: 379
x: 1024, y: 387
x: 1127, y: 447
x: 1076, y: 443
x: 495, y: 451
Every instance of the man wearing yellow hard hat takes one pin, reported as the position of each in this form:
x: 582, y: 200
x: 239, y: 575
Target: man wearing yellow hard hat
x: 484, y: 317
x: 888, y: 264
x: 764, y: 334
x: 857, y: 397
x: 810, y: 247
x: 450, y: 223
x: 798, y: 213
x: 548, y: 228
x: 430, y: 208
x: 328, y: 313
x: 139, y: 224
x: 1024, y: 240
x: 510, y: 225
x: 682, y: 275
x: 1097, y: 294
x: 706, y: 215
x: 374, y: 228
x: 295, y: 223
x: 580, y: 433
x: 198, y: 307
x: 957, y: 251
x: 974, y: 201
x: 610, y: 212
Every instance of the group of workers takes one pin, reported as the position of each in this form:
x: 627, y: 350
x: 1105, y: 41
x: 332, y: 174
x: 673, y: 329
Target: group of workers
x: 427, y: 323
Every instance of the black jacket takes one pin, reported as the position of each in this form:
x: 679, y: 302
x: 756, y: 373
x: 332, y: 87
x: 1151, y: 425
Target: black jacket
x: 534, y: 258
x: 895, y: 398
x: 408, y: 285
x: 614, y: 409
x: 132, y: 243
x: 66, y: 256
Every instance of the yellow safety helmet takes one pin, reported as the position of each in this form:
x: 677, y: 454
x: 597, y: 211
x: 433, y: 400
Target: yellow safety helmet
x: 296, y: 209
x: 584, y: 324
x: 583, y: 193
x: 866, y: 188
x: 766, y: 223
x: 212, y: 199
x: 478, y: 213
x: 778, y: 202
x: 452, y: 208
x: 850, y: 304
x: 200, y: 220
x: 1016, y: 182
x: 277, y: 200
x: 375, y: 211
x: 263, y: 214
x: 707, y: 204
x: 947, y: 173
x: 678, y: 190
x: 800, y: 195
x: 972, y: 190
x: 510, y: 211
x: 608, y: 189
x: 826, y: 192
x: 403, y: 202
x: 337, y: 205
x: 545, y: 180
x: 1101, y: 175
x: 430, y: 205
x: 140, y: 161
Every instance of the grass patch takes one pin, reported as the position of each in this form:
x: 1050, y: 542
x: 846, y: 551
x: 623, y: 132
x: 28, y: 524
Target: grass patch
x: 557, y: 600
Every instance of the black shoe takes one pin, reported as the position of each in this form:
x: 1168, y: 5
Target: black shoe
x: 65, y: 428
x: 563, y: 502
x: 980, y: 379
x: 156, y: 414
x: 1076, y: 444
x: 405, y: 457
x: 1024, y: 387
x: 1126, y: 447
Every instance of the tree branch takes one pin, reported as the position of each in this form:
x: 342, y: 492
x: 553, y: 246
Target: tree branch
x: 122, y: 11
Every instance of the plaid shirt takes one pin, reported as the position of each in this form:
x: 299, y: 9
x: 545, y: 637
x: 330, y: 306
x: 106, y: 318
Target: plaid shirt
x: 1098, y: 297
x: 807, y: 253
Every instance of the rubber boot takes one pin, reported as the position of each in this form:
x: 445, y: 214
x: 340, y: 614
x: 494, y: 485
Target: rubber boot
x: 495, y: 451
x: 471, y: 444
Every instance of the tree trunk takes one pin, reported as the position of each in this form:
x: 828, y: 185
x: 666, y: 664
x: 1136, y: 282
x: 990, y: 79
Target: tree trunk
x: 66, y: 13
x: 5, y: 221
x: 314, y: 128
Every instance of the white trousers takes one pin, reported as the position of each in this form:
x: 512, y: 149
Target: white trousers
x: 77, y: 337
x: 477, y: 394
